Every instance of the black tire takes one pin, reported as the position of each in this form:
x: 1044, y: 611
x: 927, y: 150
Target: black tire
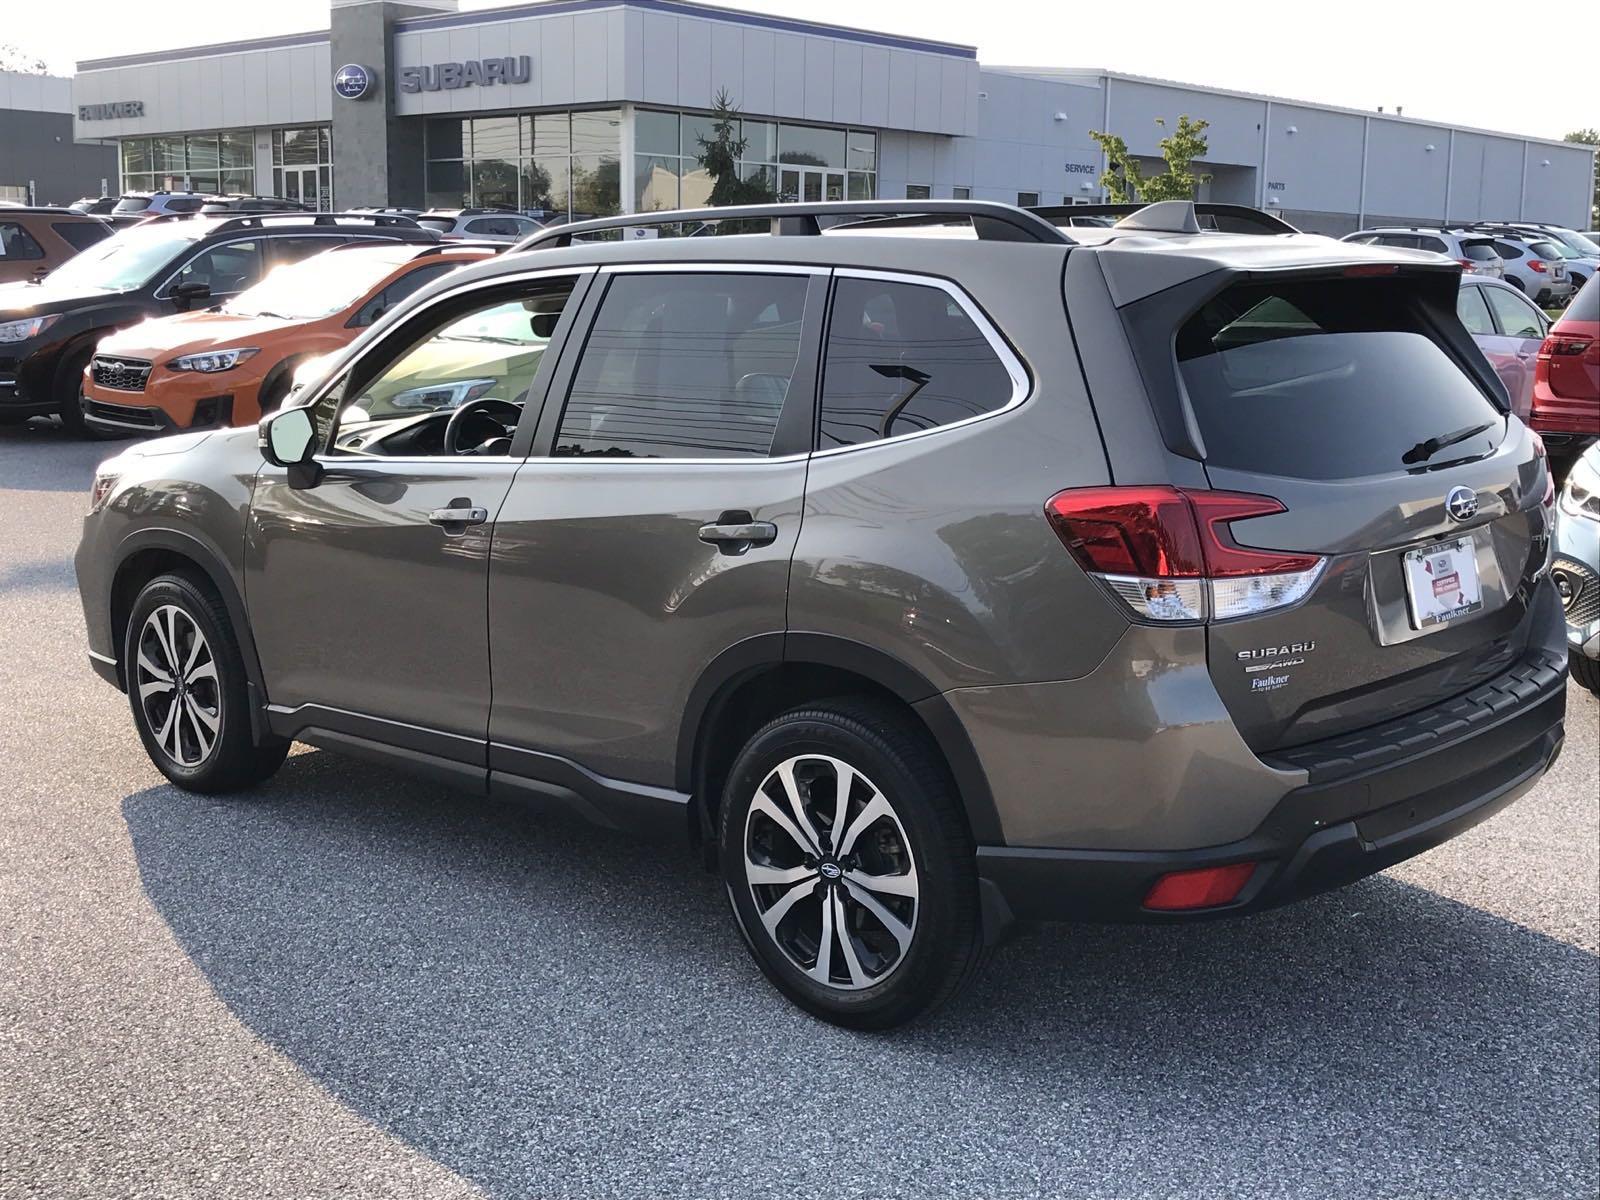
x: 69, y: 390
x: 220, y: 701
x: 1586, y: 671
x: 894, y: 758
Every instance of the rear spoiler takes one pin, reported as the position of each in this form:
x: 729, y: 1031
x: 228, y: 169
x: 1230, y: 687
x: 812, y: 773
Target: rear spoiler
x: 1159, y: 217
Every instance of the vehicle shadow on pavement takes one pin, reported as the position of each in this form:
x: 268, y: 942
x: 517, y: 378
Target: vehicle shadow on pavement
x: 549, y: 1009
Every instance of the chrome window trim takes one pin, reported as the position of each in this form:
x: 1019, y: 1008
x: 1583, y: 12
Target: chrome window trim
x: 1021, y: 383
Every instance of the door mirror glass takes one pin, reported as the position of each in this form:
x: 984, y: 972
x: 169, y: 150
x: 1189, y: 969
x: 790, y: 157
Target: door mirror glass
x: 287, y: 437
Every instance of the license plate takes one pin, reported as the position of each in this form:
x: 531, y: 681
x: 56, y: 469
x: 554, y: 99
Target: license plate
x: 1442, y: 582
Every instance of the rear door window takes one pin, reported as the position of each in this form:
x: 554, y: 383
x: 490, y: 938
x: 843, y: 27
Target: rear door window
x: 1516, y: 316
x: 1324, y: 379
x: 901, y: 358
x: 685, y: 366
x: 1474, y: 311
x: 80, y: 235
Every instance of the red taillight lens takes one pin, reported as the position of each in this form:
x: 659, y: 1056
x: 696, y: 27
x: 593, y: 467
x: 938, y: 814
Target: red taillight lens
x: 1537, y: 264
x: 1209, y: 887
x: 1168, y: 554
x: 1564, y: 345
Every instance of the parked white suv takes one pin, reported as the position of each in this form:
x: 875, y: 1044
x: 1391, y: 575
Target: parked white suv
x: 1475, y: 252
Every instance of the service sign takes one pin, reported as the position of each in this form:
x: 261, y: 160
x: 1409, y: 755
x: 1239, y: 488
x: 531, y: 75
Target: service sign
x: 116, y: 111
x: 474, y: 72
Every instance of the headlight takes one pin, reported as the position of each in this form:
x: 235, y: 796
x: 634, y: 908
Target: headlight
x: 21, y: 331
x: 213, y: 360
x: 1581, y: 496
x: 443, y: 395
x: 104, y: 481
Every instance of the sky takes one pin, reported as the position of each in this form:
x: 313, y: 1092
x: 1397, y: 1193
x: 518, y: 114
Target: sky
x: 1427, y: 59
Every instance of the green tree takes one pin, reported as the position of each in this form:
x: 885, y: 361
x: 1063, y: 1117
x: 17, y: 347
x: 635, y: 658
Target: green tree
x: 1590, y: 137
x: 1125, y: 183
x: 17, y: 60
x: 720, y: 154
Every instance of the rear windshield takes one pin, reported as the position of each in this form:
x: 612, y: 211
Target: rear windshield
x: 1478, y: 251
x: 1326, y: 379
x: 442, y: 224
x: 1585, y: 305
x: 1544, y: 250
x: 132, y: 204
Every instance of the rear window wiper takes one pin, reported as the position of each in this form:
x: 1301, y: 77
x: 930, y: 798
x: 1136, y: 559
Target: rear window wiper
x: 1423, y: 451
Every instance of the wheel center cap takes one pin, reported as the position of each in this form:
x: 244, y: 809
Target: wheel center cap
x: 830, y: 869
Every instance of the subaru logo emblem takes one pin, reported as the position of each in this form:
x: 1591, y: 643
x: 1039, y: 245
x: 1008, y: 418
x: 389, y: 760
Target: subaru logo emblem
x: 352, y: 81
x: 830, y: 870
x: 1461, y: 504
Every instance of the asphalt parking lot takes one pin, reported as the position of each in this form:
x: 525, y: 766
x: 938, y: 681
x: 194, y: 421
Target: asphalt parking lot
x: 350, y: 983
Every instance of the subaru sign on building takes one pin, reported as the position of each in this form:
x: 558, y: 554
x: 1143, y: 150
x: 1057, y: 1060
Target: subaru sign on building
x: 598, y: 106
x: 353, y: 81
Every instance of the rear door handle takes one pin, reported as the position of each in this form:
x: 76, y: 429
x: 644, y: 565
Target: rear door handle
x: 460, y: 516
x: 735, y: 532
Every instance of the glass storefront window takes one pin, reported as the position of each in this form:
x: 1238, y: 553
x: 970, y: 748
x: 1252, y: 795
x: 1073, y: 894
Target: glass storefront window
x: 596, y: 183
x: 552, y: 134
x: 202, y: 152
x: 863, y: 151
x: 495, y: 182
x: 547, y: 184
x: 655, y: 132
x: 303, y: 165
x: 695, y: 128
x: 532, y: 162
x: 655, y: 182
x: 862, y: 186
x: 447, y: 185
x: 810, y: 146
x: 204, y: 162
x: 136, y: 156
x: 296, y: 147
x: 497, y: 137
x: 166, y: 154
x: 238, y: 151
x: 761, y: 141
x: 597, y: 132
x: 448, y: 137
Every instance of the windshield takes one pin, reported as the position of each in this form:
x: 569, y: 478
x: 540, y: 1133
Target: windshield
x: 125, y: 261
x: 315, y: 287
x: 1583, y: 247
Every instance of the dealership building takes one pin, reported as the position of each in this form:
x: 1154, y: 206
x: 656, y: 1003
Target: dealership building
x: 599, y: 106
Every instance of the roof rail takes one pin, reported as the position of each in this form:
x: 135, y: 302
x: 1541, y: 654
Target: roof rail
x: 260, y: 220
x: 991, y: 220
x: 1233, y: 214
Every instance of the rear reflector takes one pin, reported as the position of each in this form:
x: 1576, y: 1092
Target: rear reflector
x: 1169, y: 555
x: 1209, y: 887
x: 1366, y: 269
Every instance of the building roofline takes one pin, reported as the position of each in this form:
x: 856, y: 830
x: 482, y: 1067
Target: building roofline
x: 278, y: 42
x: 688, y: 8
x: 1101, y: 73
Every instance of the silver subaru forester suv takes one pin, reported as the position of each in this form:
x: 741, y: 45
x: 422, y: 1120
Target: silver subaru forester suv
x: 927, y: 564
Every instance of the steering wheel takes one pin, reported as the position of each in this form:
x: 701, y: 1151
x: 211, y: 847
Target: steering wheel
x: 478, y: 410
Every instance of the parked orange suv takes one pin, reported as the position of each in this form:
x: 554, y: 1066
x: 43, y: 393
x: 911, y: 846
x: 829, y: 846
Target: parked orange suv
x: 228, y: 365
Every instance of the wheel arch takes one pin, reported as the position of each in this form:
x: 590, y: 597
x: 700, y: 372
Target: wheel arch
x: 752, y: 681
x: 152, y: 552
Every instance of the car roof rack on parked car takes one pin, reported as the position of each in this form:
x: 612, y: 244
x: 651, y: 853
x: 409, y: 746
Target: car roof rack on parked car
x: 991, y: 220
x: 1167, y: 220
x: 263, y: 219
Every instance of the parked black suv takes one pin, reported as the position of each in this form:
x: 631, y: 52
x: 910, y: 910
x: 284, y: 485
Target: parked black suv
x: 48, y: 330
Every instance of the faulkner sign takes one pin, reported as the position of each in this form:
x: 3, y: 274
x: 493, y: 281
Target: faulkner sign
x: 111, y: 112
x: 475, y: 72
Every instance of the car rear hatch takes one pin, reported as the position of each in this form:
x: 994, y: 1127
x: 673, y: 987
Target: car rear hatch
x: 1403, y: 502
x: 1479, y: 256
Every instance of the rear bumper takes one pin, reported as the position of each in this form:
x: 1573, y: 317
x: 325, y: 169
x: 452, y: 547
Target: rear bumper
x: 1402, y: 789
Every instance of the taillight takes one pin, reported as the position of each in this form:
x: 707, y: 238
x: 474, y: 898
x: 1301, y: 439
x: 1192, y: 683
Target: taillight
x: 1467, y: 263
x: 1562, y: 345
x: 1537, y: 264
x: 1169, y: 555
x: 1209, y: 887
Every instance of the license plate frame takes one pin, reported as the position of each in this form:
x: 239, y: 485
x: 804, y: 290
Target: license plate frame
x: 1432, y: 572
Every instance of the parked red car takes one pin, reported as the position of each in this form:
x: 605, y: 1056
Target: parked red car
x: 1566, y: 380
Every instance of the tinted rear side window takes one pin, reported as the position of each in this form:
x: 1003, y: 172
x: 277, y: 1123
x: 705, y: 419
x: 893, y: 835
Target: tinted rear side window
x: 1328, y: 379
x: 1586, y: 305
x: 80, y: 235
x: 901, y: 358
x: 685, y: 366
x: 17, y: 243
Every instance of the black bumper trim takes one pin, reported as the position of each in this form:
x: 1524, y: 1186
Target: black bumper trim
x: 1316, y: 838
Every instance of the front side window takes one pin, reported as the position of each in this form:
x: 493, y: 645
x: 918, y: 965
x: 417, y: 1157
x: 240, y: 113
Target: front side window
x: 1517, y: 317
x: 17, y: 244
x: 490, y: 351
x: 400, y: 289
x: 226, y: 268
x: 685, y: 366
x: 901, y: 358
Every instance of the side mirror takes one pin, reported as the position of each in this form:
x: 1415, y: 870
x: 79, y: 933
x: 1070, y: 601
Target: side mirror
x: 185, y: 294
x: 288, y: 439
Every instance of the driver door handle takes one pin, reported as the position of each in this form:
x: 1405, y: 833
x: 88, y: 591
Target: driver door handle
x: 459, y: 517
x: 735, y: 532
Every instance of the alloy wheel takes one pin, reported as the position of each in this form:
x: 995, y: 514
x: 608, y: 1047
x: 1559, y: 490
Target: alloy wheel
x: 175, y: 675
x: 830, y: 869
